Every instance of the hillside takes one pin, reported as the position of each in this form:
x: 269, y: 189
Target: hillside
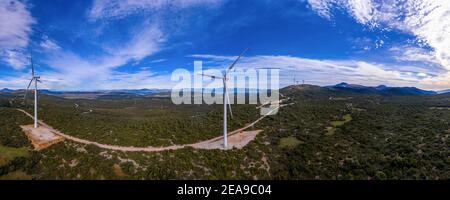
x: 381, y: 89
x: 325, y: 134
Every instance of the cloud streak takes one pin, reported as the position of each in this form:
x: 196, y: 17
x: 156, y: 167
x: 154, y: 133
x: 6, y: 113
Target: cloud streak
x: 70, y: 70
x: 117, y: 63
x: 75, y: 71
x: 116, y: 9
x: 15, y: 29
x: 313, y: 71
x: 327, y: 72
x: 425, y: 19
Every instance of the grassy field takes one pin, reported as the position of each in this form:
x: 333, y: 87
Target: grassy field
x: 335, y: 124
x: 346, y: 118
x: 16, y: 175
x: 289, y: 142
x: 8, y: 154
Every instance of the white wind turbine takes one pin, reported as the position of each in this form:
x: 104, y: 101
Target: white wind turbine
x: 226, y: 98
x: 36, y: 79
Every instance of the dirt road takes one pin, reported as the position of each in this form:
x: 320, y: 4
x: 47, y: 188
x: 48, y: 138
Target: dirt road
x: 238, y: 139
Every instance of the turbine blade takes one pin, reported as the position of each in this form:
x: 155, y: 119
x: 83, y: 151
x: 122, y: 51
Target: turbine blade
x: 45, y: 85
x: 218, y: 77
x: 234, y: 63
x: 26, y: 91
x: 29, y: 84
x: 229, y: 104
x: 32, y: 65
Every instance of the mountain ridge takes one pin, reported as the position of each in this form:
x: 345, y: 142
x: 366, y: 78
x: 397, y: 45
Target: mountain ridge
x: 343, y: 86
x: 381, y: 89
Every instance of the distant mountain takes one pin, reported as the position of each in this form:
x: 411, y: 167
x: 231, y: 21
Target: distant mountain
x: 306, y: 90
x: 49, y: 92
x: 381, y: 89
x: 6, y: 90
x: 104, y: 94
x: 407, y: 91
x: 444, y: 91
x: 353, y: 88
x: 139, y: 91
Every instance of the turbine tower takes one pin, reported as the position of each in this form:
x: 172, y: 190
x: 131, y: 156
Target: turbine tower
x: 36, y: 79
x: 226, y: 98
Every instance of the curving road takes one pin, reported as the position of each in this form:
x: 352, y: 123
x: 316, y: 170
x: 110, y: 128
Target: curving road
x: 198, y: 145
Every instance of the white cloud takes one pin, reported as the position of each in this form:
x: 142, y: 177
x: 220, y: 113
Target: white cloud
x: 363, y: 11
x: 413, y: 54
x: 15, y: 29
x: 16, y: 58
x: 138, y: 80
x: 428, y: 20
x: 158, y: 60
x: 73, y: 72
x: 143, y: 43
x: 104, y: 9
x: 320, y: 72
x: 421, y: 74
x: 83, y: 75
x: 432, y: 25
x: 69, y: 70
x: 110, y: 80
x: 322, y: 7
x: 212, y: 57
x: 49, y: 44
x: 19, y: 81
x: 441, y: 82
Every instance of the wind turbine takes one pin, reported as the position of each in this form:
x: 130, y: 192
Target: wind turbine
x: 226, y: 98
x: 36, y: 79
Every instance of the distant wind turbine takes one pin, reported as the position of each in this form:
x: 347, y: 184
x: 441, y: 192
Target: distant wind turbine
x: 226, y: 98
x: 36, y: 79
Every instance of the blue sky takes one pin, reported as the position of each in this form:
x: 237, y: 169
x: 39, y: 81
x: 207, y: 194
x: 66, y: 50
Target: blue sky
x: 127, y: 44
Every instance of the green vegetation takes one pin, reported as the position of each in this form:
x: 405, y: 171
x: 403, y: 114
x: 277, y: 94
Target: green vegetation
x: 17, y: 175
x: 346, y: 118
x: 334, y: 124
x: 396, y: 137
x: 140, y: 122
x: 440, y: 108
x: 7, y: 154
x: 391, y: 137
x: 10, y: 133
x: 15, y: 157
x: 289, y: 142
